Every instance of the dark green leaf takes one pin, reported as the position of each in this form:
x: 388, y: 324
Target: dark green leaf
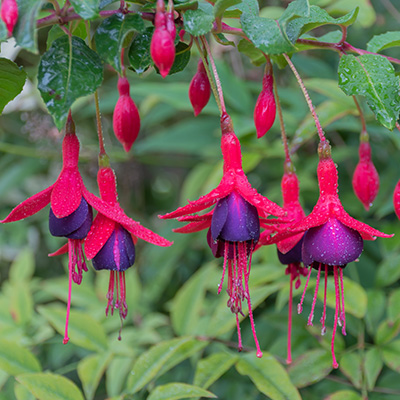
x: 375, y: 309
x: 374, y: 77
x: 199, y: 22
x: 181, y: 59
x: 87, y: 9
x: 139, y: 52
x: 66, y: 73
x: 50, y: 386
x: 351, y: 364
x: 393, y: 309
x: 384, y: 41
x: 187, y: 5
x: 111, y: 34
x: 310, y: 368
x: 175, y: 391
x: 389, y: 270
x: 372, y: 366
x: 25, y: 31
x: 269, y: 376
x: 12, y: 80
x: 344, y: 395
x: 221, y: 5
x: 15, y: 359
x: 387, y: 331
x: 391, y: 355
x: 210, y: 369
x: 3, y: 31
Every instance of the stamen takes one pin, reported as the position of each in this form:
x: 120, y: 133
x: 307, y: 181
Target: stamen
x: 110, y: 294
x: 343, y: 314
x: 337, y: 298
x: 300, y: 305
x: 226, y: 252
x: 323, y: 318
x: 240, y: 345
x: 311, y: 316
x: 66, y: 338
x: 289, y: 336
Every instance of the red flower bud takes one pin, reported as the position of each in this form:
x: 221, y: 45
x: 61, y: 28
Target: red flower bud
x: 199, y: 89
x: 365, y: 177
x: 126, y: 119
x: 396, y: 199
x: 9, y: 14
x: 265, y: 109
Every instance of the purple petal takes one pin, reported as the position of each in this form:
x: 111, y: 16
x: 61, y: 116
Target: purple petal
x: 106, y: 257
x: 331, y: 243
x: 292, y: 256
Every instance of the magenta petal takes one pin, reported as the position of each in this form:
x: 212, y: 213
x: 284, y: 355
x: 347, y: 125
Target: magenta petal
x: 193, y: 227
x: 30, y: 206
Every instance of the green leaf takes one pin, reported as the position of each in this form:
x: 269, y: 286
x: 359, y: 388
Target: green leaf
x: 84, y: 330
x: 50, y: 386
x: 90, y: 371
x: 139, y: 51
x: 174, y: 391
x: 182, y: 58
x: 23, y: 266
x: 389, y: 270
x: 22, y: 393
x: 375, y: 309
x: 67, y: 73
x: 21, y: 302
x: 12, y: 80
x: 221, y: 5
x: 25, y: 31
x: 111, y: 34
x: 150, y: 363
x: 310, y: 367
x: 211, y: 368
x: 344, y: 395
x: 366, y: 16
x: 393, y: 309
x: 387, y: 331
x: 351, y: 364
x: 15, y: 359
x: 199, y: 22
x: 373, y: 77
x: 269, y: 376
x: 87, y: 9
x: 247, y: 48
x: 3, y: 31
x: 391, y: 355
x: 384, y: 41
x: 117, y: 371
x: 372, y: 366
x: 77, y: 29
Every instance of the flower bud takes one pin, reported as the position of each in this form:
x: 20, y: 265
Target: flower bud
x: 265, y: 109
x: 199, y: 89
x: 9, y: 14
x: 396, y: 199
x: 365, y: 177
x: 126, y: 119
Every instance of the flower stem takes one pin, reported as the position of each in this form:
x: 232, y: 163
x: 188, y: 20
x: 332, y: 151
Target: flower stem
x: 307, y: 97
x: 362, y: 117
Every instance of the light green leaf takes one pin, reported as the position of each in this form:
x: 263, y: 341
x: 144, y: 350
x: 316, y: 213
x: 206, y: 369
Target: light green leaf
x: 22, y: 393
x: 387, y: 331
x: 20, y: 301
x: 351, y: 364
x: 174, y: 391
x: 12, y: 80
x: 247, y: 48
x: 117, y: 372
x: 221, y: 5
x: 211, y: 368
x: 87, y: 9
x: 3, y: 31
x: 393, y: 309
x: 25, y: 31
x: 384, y: 41
x: 84, y: 330
x: 199, y: 22
x: 366, y: 16
x: 15, y: 359
x: 372, y: 366
x: 310, y: 367
x: 111, y: 34
x: 373, y: 77
x: 269, y: 376
x: 47, y: 386
x: 22, y: 267
x: 344, y: 395
x: 388, y: 270
x: 391, y: 355
x: 66, y: 73
x: 375, y: 309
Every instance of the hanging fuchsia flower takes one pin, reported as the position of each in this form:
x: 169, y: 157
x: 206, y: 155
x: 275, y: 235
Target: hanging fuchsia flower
x: 396, y: 199
x: 110, y: 244
x: 365, y: 177
x: 234, y: 223
x: 332, y: 239
x: 199, y: 89
x: 126, y: 119
x: 9, y: 14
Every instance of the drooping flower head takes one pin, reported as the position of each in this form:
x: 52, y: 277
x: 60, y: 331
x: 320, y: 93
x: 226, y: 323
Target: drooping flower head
x: 199, y: 89
x: 110, y: 243
x: 234, y: 222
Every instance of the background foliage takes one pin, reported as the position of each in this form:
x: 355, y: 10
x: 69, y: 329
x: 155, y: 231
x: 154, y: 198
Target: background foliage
x: 179, y: 338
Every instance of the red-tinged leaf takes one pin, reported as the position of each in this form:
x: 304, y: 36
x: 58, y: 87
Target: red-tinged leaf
x: 60, y: 251
x: 30, y: 206
x: 99, y: 233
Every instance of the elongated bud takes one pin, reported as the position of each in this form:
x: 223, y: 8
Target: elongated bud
x: 199, y: 89
x: 126, y: 119
x: 396, y: 199
x: 365, y: 177
x: 9, y: 14
x: 265, y: 109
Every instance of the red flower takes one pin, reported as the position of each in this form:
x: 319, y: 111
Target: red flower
x: 110, y: 244
x: 238, y: 204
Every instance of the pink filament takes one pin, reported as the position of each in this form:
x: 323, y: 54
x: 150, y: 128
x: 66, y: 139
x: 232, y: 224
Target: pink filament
x: 240, y: 345
x: 311, y: 316
x: 289, y: 336
x: 343, y: 315
x: 334, y: 362
x: 323, y: 318
x: 70, y: 266
x: 226, y: 252
x: 300, y: 305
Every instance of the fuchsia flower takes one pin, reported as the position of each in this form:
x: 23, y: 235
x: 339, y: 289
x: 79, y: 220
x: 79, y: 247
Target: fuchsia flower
x: 332, y: 239
x: 110, y: 243
x: 126, y: 119
x: 365, y: 177
x: 199, y: 89
x: 234, y: 223
x: 396, y: 199
x: 9, y: 14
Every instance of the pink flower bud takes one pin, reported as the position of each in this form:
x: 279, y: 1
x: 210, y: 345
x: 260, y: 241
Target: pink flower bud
x: 126, y: 120
x: 162, y: 50
x: 170, y: 23
x: 199, y: 89
x: 265, y: 109
x: 396, y: 199
x: 365, y: 177
x: 9, y: 14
